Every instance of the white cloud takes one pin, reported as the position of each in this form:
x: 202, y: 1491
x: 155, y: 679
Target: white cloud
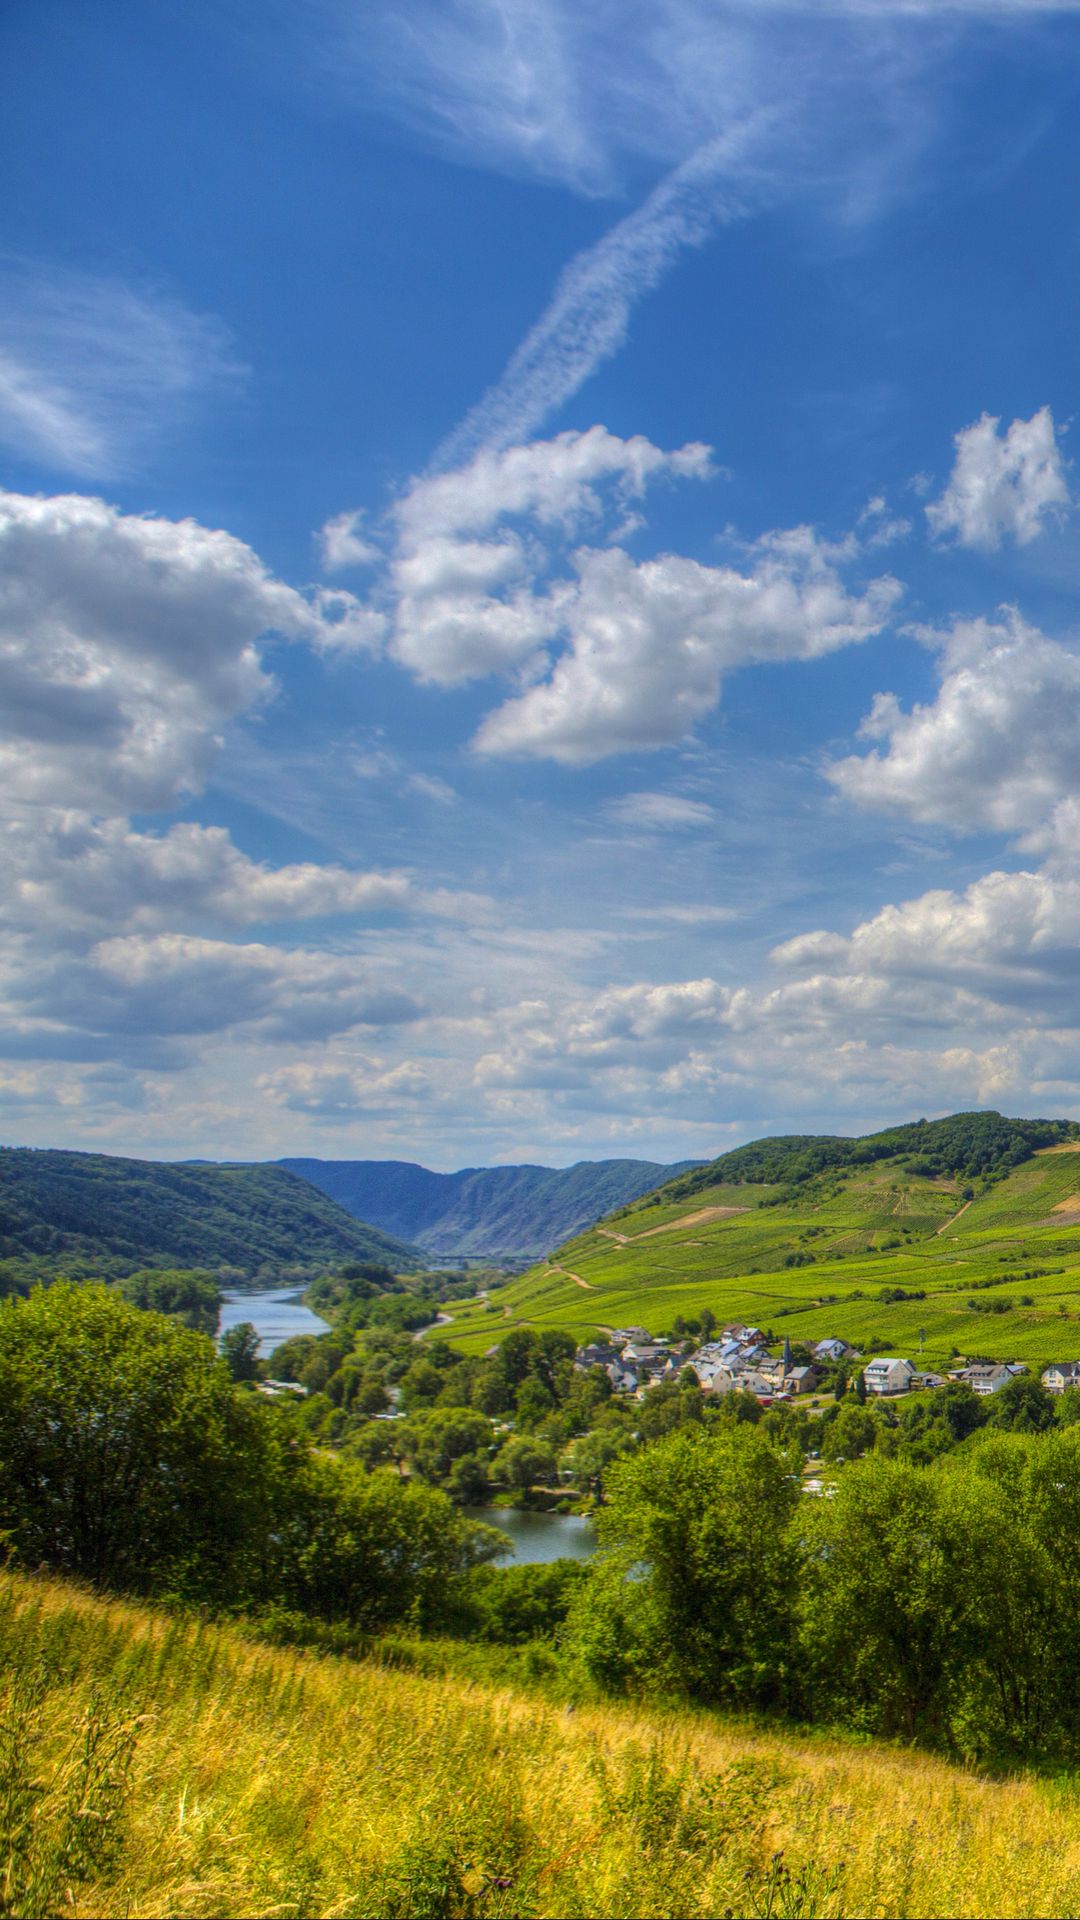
x: 127, y: 643
x: 432, y: 787
x: 998, y: 746
x: 184, y: 985
x: 336, y: 1091
x: 66, y: 872
x: 640, y: 649
x: 1002, y: 486
x: 659, y: 812
x: 466, y: 583
x: 92, y: 370
x: 585, y: 95
x: 588, y: 316
x: 554, y: 482
x: 342, y: 542
x: 649, y: 645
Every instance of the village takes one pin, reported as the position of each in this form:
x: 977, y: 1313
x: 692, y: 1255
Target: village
x: 738, y: 1359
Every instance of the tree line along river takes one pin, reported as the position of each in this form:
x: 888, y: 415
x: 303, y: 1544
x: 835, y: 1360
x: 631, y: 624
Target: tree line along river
x: 279, y: 1314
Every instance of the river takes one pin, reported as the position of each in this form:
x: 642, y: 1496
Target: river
x: 539, y: 1537
x: 276, y: 1315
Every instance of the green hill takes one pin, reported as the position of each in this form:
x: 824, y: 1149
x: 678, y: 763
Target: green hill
x: 91, y: 1212
x: 483, y: 1213
x: 878, y: 1247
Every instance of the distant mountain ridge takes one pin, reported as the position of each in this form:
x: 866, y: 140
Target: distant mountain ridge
x: 96, y: 1212
x: 484, y: 1212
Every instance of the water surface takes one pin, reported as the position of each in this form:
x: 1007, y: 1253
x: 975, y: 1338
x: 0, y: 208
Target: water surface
x: 276, y: 1315
x: 539, y: 1537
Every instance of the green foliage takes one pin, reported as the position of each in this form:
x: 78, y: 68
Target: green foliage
x: 129, y: 1459
x: 513, y: 1605
x: 125, y: 1455
x: 80, y: 1210
x: 694, y: 1590
x: 966, y: 1145
x: 240, y: 1352
x: 193, y: 1297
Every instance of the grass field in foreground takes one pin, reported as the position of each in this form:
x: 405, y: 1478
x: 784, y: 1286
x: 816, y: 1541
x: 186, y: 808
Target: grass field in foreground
x: 874, y: 1228
x: 231, y: 1779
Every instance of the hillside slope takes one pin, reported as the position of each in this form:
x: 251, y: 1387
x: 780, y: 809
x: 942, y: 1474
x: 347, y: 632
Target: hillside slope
x: 225, y: 1779
x: 873, y: 1251
x: 91, y: 1211
x: 483, y: 1212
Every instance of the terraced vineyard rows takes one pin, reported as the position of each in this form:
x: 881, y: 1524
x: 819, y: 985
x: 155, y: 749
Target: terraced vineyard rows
x: 817, y: 1261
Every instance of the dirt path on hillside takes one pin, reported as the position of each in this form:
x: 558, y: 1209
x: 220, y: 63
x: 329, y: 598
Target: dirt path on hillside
x: 951, y: 1222
x: 575, y: 1277
x: 685, y: 1220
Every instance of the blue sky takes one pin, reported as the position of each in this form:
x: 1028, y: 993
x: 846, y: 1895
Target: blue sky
x: 537, y: 573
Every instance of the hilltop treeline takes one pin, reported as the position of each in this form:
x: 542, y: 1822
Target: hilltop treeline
x: 965, y: 1146
x: 108, y: 1216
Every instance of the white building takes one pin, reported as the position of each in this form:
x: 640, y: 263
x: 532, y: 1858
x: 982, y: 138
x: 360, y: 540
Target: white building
x: 888, y: 1375
x: 1059, y: 1378
x: 985, y: 1378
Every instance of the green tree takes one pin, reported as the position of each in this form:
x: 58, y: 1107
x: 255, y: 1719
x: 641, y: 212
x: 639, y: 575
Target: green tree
x: 1024, y: 1406
x: 525, y: 1462
x: 186, y: 1294
x: 240, y: 1351
x: 588, y: 1458
x: 852, y: 1432
x: 437, y: 1439
x: 695, y: 1550
x: 126, y: 1456
x: 371, y: 1548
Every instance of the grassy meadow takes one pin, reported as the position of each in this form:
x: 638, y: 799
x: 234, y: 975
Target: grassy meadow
x: 868, y: 1230
x: 151, y: 1766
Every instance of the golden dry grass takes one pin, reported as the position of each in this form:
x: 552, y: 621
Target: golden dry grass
x: 271, y: 1783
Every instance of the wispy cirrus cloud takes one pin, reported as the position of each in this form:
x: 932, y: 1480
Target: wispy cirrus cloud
x: 588, y: 316
x: 93, y: 369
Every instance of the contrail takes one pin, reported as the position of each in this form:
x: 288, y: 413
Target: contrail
x: 589, y: 313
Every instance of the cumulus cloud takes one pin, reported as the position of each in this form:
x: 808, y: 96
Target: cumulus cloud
x: 342, y: 1091
x: 1002, y: 486
x: 472, y: 592
x: 92, y: 370
x: 343, y: 543
x: 69, y: 872
x: 649, y: 644
x: 619, y: 654
x: 996, y: 748
x: 127, y: 643
x: 180, y: 984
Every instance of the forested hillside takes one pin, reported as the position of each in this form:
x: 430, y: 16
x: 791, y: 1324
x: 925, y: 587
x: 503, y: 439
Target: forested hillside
x: 966, y: 1146
x: 487, y: 1213
x: 91, y: 1212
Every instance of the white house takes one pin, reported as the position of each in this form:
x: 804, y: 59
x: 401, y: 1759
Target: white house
x: 713, y: 1376
x: 1058, y: 1378
x: 834, y: 1350
x: 888, y: 1375
x: 984, y: 1377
